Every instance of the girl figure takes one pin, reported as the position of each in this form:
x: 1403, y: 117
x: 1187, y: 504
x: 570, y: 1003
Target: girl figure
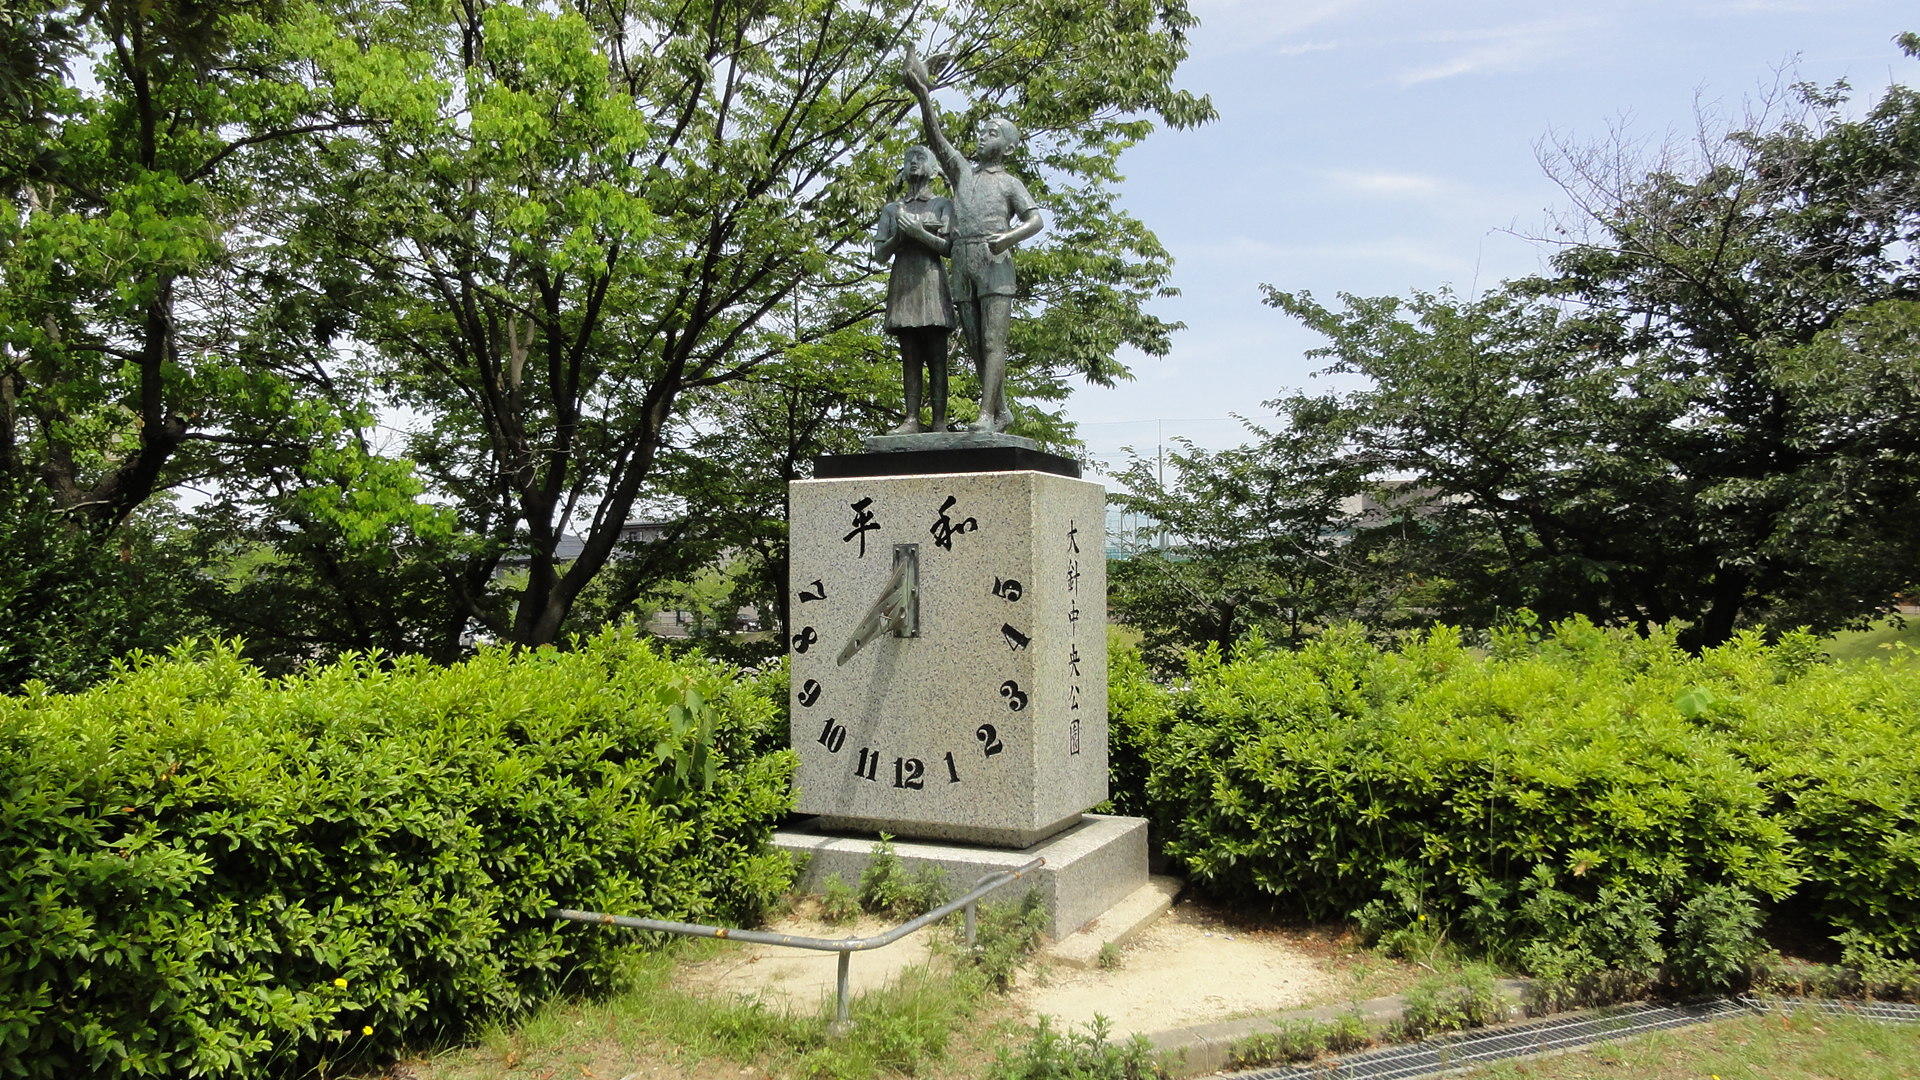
x: 915, y: 232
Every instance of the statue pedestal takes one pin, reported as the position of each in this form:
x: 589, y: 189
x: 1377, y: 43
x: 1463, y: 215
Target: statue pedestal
x: 990, y: 725
x: 986, y: 730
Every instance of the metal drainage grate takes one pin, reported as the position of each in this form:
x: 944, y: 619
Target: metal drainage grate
x: 1866, y: 1010
x: 1450, y: 1052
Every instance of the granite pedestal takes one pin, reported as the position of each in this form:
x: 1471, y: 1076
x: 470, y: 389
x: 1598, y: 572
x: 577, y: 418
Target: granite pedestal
x: 974, y: 730
x: 990, y: 724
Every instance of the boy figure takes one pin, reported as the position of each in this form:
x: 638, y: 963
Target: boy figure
x: 991, y: 213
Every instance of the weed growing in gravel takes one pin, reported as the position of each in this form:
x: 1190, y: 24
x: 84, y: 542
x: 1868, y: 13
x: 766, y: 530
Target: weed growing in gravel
x: 1081, y: 1054
x: 1468, y: 998
x: 888, y: 888
x: 1005, y: 936
x: 1302, y: 1040
x: 838, y: 902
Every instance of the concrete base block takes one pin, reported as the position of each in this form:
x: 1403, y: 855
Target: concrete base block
x: 1120, y: 925
x: 1089, y: 868
x: 989, y: 725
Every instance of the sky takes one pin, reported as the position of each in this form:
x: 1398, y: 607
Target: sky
x: 1381, y: 146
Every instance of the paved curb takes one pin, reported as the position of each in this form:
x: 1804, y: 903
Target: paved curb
x: 1206, y: 1048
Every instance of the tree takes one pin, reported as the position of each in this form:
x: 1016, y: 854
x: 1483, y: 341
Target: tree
x: 144, y: 346
x: 1265, y: 537
x: 580, y: 222
x: 1706, y: 413
x: 134, y: 356
x: 70, y: 607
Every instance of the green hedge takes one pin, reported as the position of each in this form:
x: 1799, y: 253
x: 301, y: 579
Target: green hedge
x: 204, y: 872
x: 1837, y: 748
x: 1574, y: 802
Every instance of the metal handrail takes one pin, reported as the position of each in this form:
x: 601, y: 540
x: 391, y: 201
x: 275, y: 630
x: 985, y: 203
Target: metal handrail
x: 846, y: 947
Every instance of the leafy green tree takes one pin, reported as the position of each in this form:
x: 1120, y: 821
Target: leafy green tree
x: 135, y: 353
x: 338, y: 554
x: 1706, y: 413
x: 576, y: 223
x: 145, y: 346
x: 1266, y: 537
x: 70, y: 607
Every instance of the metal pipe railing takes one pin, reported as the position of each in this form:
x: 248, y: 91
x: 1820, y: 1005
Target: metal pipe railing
x: 846, y: 947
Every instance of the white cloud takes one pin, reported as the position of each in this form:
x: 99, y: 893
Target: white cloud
x: 1389, y: 184
x: 1241, y: 25
x: 1515, y: 47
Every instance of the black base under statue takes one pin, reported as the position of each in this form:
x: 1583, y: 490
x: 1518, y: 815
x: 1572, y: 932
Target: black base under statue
x: 944, y: 452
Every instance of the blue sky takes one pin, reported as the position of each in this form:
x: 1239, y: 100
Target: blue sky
x: 1374, y: 147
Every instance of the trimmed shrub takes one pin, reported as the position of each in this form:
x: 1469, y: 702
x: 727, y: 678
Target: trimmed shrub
x: 1573, y: 804
x: 1837, y: 748
x: 210, y: 873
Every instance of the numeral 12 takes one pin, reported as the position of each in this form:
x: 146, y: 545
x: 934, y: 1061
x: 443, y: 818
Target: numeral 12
x: 907, y: 773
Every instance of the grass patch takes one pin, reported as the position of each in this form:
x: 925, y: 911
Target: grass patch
x: 1082, y: 1053
x: 1760, y: 1048
x: 652, y: 1027
x: 1878, y: 642
x: 1468, y: 996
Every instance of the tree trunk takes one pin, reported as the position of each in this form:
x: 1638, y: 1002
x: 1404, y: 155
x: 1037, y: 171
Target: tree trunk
x: 1717, y: 623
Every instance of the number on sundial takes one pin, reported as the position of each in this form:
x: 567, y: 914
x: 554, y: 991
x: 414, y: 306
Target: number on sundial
x: 907, y: 773
x: 989, y: 740
x: 834, y: 736
x: 1016, y: 697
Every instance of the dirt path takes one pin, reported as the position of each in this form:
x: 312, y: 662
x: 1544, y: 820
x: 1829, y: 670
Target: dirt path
x: 1190, y: 967
x: 801, y: 979
x: 1196, y: 964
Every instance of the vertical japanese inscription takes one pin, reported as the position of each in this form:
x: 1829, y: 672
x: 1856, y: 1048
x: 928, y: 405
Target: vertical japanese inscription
x: 1073, y: 636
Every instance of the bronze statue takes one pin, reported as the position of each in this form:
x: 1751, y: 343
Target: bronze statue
x: 914, y: 233
x: 991, y: 213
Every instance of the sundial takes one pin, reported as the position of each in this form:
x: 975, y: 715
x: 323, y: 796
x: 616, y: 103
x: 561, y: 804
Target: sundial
x: 949, y: 648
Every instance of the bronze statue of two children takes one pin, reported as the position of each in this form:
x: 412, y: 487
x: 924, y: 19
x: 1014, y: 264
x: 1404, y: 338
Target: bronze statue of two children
x: 976, y: 230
